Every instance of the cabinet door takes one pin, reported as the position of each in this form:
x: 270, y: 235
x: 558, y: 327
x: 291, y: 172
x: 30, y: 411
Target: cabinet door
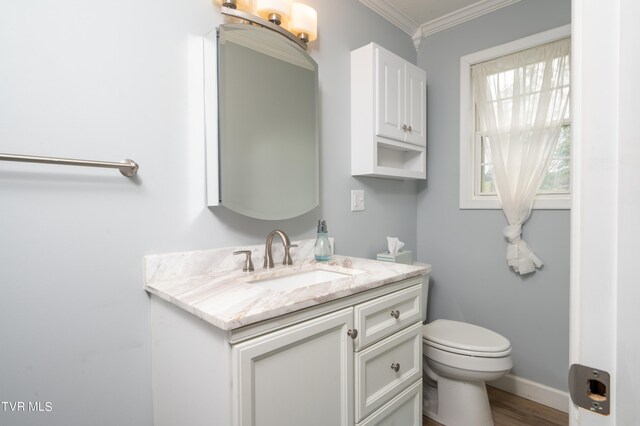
x: 389, y: 98
x: 416, y: 105
x: 301, y: 375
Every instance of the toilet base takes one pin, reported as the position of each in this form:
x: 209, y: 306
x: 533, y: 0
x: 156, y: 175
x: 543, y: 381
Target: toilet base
x: 447, y: 409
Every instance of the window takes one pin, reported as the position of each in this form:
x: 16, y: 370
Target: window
x: 477, y: 186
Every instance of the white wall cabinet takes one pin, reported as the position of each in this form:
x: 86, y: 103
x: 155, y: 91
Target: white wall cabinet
x: 388, y: 115
x: 301, y: 369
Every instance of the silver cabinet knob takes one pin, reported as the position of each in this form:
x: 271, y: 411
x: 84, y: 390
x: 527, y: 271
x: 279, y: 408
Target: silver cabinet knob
x: 395, y: 367
x: 409, y: 129
x: 395, y: 314
x: 404, y: 127
x: 352, y: 333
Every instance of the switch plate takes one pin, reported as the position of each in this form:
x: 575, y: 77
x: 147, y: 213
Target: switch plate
x: 357, y: 200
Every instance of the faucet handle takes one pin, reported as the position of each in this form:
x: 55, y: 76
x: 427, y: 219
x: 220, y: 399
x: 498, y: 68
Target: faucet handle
x: 248, y: 264
x: 287, y: 255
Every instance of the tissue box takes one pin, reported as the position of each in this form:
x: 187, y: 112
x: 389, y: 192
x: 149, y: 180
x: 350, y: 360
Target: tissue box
x: 403, y: 256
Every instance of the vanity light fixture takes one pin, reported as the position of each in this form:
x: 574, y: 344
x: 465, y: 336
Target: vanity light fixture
x: 296, y: 21
x: 304, y: 22
x: 275, y: 11
x: 246, y: 5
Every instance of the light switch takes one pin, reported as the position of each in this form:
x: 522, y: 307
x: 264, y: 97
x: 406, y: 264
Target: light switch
x: 357, y: 200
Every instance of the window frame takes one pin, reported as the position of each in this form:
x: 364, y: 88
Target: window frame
x: 468, y: 144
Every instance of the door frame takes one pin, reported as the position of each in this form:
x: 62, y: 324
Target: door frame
x: 604, y: 231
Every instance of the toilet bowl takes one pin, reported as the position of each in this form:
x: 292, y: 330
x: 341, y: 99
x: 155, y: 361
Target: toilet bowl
x: 458, y: 359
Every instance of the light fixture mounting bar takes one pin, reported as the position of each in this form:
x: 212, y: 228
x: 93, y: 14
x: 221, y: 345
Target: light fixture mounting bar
x: 263, y: 23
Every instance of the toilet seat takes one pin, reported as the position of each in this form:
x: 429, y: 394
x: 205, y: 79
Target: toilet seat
x: 465, y: 339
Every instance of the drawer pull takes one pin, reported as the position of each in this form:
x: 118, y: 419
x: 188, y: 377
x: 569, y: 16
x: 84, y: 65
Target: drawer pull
x: 395, y: 314
x: 352, y: 333
x: 395, y: 367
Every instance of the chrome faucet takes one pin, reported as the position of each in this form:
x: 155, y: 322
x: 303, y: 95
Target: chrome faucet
x: 268, y: 256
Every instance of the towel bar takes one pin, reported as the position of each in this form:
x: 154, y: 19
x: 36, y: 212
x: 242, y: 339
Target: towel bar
x: 128, y: 168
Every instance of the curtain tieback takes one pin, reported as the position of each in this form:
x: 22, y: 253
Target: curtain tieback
x: 519, y: 256
x: 512, y: 233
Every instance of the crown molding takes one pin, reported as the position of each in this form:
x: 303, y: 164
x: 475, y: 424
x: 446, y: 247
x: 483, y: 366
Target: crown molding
x: 459, y: 16
x: 388, y: 11
x: 417, y: 38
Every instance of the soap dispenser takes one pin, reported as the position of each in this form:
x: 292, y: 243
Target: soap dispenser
x: 322, y: 249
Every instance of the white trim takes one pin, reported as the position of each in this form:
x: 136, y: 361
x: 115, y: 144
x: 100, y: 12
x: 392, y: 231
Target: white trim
x: 468, y: 199
x: 542, y: 202
x: 519, y: 44
x: 533, y: 391
x: 400, y: 19
x: 417, y: 39
x: 392, y: 14
x: 462, y: 15
x: 600, y: 248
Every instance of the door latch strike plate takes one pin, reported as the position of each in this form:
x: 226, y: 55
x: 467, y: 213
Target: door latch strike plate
x: 590, y: 388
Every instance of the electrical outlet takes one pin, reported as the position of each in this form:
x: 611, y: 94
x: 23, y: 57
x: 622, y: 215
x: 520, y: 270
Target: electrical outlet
x: 357, y: 200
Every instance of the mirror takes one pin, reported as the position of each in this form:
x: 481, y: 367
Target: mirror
x: 268, y: 127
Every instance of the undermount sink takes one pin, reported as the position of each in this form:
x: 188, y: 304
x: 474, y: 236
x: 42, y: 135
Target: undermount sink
x: 303, y: 278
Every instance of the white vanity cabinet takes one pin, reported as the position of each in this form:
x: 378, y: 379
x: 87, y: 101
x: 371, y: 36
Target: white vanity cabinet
x: 388, y: 115
x: 311, y: 367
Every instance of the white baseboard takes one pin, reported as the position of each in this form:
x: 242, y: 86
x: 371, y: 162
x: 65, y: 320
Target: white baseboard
x: 533, y: 391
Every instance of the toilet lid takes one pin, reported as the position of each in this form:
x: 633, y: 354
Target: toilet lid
x: 465, y: 338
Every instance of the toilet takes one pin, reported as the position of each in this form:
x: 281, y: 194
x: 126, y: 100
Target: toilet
x: 458, y: 359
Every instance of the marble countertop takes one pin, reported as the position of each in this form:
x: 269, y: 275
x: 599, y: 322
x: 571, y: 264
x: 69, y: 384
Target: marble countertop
x: 203, y: 283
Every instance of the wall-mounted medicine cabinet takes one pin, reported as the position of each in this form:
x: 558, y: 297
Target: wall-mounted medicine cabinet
x: 261, y: 112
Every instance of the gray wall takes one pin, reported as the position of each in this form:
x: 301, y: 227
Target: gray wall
x: 470, y: 279
x: 118, y: 79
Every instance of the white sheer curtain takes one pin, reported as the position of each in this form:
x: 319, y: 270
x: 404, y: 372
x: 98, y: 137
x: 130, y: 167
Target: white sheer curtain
x: 522, y: 100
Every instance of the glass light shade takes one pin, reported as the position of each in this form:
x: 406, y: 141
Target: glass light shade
x: 243, y: 5
x: 279, y: 7
x: 248, y: 6
x: 304, y: 19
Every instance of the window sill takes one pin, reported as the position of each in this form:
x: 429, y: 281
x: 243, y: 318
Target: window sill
x: 542, y: 202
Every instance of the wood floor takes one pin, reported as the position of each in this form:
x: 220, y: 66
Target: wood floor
x: 511, y: 410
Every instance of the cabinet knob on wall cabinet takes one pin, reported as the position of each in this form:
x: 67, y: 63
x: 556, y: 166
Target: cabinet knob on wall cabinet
x: 395, y: 314
x: 404, y: 127
x: 352, y: 333
x: 409, y: 129
x: 395, y: 367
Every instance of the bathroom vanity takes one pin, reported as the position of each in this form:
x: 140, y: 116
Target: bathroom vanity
x: 333, y: 343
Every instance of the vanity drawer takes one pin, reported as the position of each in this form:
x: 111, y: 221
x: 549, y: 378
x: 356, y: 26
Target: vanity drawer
x: 376, y: 319
x: 405, y: 409
x: 377, y: 380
